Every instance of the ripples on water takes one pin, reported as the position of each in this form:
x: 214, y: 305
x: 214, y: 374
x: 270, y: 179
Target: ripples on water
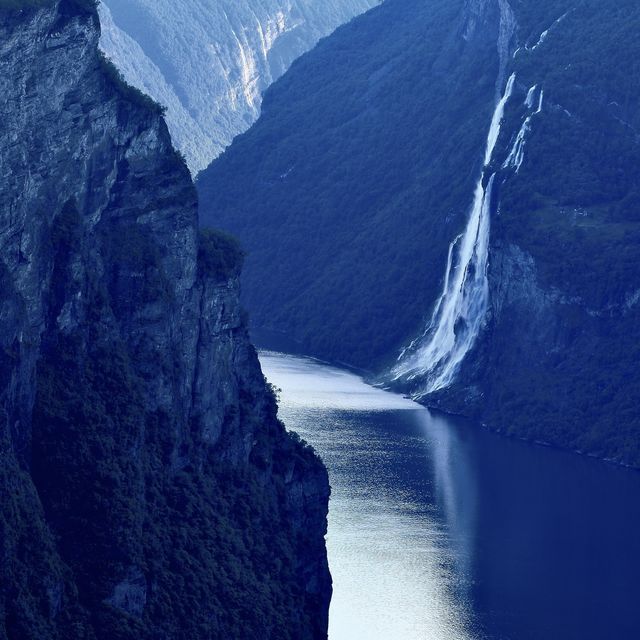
x: 439, y: 530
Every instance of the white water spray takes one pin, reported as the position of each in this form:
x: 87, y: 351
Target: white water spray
x: 459, y: 311
x: 516, y: 155
x: 530, y: 97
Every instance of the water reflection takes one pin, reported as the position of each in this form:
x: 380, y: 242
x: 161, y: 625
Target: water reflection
x: 455, y: 492
x: 439, y: 530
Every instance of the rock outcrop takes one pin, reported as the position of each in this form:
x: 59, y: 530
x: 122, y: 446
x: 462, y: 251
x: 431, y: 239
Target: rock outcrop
x: 148, y: 488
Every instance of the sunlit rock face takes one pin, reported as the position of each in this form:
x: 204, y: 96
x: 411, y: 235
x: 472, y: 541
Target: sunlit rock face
x: 209, y: 62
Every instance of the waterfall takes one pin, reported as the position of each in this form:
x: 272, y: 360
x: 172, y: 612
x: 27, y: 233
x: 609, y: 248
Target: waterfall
x: 530, y: 95
x: 516, y: 155
x: 436, y: 355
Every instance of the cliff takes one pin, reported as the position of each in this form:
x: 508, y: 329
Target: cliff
x: 149, y: 489
x: 556, y: 361
x: 209, y: 62
x: 354, y: 189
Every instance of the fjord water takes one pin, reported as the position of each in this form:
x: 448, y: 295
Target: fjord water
x: 441, y: 530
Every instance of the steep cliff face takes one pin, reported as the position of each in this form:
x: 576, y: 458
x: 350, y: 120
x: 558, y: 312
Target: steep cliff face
x: 209, y: 62
x: 557, y: 361
x: 148, y: 487
x: 353, y: 190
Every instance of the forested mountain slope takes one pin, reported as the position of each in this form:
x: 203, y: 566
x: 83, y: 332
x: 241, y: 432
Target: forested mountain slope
x: 350, y: 177
x: 147, y: 488
x: 360, y: 174
x: 209, y: 61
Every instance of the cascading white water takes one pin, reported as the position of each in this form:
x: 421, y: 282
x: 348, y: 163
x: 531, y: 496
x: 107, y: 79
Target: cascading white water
x: 530, y: 95
x: 458, y: 314
x: 516, y: 155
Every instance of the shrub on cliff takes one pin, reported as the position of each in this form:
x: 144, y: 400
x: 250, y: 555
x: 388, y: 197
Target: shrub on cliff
x: 219, y: 256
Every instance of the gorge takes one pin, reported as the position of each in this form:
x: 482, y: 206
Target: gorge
x: 349, y: 190
x: 433, y: 204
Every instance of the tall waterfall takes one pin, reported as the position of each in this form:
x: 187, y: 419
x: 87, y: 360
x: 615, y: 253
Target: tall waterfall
x: 436, y: 355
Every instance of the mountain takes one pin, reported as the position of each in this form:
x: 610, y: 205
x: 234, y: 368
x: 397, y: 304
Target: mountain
x: 208, y: 61
x: 148, y: 489
x: 445, y: 193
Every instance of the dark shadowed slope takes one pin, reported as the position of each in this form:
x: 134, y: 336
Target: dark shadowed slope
x: 147, y: 488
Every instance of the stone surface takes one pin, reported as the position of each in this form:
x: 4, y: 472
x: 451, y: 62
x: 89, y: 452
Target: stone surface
x: 134, y: 411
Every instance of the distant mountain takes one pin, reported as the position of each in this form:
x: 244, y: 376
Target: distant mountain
x: 457, y: 181
x: 209, y: 61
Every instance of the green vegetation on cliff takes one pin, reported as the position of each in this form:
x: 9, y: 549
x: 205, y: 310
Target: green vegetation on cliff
x: 206, y: 550
x: 149, y: 491
x: 113, y: 75
x: 220, y: 256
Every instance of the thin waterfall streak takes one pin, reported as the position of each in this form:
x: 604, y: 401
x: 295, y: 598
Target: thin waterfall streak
x: 516, y: 155
x: 496, y: 121
x: 438, y: 306
x: 473, y: 307
x: 529, y: 99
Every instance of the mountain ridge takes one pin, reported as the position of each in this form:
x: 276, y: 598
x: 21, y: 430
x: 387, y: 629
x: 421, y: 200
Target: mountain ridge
x: 211, y: 81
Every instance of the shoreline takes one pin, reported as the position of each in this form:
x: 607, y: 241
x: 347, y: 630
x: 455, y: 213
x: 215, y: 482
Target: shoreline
x: 261, y: 347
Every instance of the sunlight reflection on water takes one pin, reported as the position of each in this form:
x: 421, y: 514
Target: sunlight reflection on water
x: 440, y: 530
x: 394, y: 574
